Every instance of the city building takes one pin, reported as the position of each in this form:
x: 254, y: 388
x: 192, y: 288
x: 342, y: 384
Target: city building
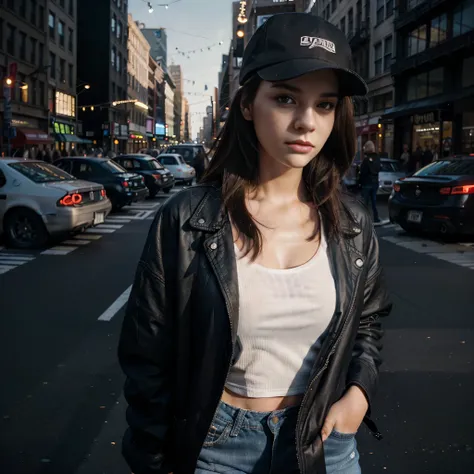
x: 177, y: 76
x: 370, y: 31
x: 158, y: 42
x: 434, y: 79
x: 223, y: 99
x: 24, y: 45
x: 63, y: 90
x: 236, y: 50
x: 137, y: 68
x: 155, y: 121
x: 102, y: 39
x: 187, y: 121
x: 170, y: 135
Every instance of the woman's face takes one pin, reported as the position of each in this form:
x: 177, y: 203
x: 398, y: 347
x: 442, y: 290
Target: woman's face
x: 293, y: 119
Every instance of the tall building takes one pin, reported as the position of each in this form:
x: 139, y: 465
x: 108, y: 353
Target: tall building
x: 187, y: 121
x: 369, y: 29
x: 62, y: 88
x: 24, y: 46
x: 138, y: 67
x: 177, y: 76
x: 155, y: 103
x: 102, y: 64
x: 158, y: 41
x: 434, y: 79
x: 170, y: 134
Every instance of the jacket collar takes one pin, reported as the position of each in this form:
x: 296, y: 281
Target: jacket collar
x: 210, y: 215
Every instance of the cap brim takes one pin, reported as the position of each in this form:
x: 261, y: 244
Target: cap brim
x: 350, y: 83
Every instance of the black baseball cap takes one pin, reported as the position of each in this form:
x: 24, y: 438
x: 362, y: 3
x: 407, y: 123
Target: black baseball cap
x: 289, y: 45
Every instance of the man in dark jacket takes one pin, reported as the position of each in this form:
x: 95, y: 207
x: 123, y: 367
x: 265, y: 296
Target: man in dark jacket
x: 369, y: 178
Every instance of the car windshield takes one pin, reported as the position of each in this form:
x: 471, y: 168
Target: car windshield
x: 187, y: 152
x: 390, y: 167
x: 448, y: 168
x: 154, y: 165
x: 41, y: 172
x: 112, y: 167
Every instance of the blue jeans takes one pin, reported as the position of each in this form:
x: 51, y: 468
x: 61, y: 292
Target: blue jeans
x: 369, y: 194
x: 249, y: 442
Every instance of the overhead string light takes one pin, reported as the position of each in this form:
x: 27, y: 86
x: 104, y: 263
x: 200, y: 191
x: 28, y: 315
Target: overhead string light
x: 151, y: 6
x: 198, y: 50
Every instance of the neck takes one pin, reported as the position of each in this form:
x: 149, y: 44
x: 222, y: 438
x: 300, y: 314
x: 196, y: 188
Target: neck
x: 278, y: 182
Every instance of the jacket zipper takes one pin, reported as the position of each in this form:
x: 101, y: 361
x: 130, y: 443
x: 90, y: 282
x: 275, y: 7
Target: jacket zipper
x: 323, y: 368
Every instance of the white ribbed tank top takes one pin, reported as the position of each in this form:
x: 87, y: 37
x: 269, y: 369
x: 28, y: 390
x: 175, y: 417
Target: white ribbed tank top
x: 282, y: 315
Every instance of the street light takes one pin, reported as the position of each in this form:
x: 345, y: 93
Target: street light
x: 86, y: 88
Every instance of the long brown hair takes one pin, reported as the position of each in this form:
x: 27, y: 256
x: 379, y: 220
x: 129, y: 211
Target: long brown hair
x: 235, y: 166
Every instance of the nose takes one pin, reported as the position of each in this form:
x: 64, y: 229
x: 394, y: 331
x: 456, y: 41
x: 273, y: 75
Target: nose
x: 305, y: 120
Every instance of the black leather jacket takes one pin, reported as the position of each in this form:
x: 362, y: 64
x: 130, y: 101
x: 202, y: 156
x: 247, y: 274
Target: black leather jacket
x: 179, y: 332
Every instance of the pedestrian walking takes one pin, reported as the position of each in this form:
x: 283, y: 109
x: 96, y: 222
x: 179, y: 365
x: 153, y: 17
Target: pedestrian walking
x: 251, y: 339
x: 369, y: 178
x: 405, y: 158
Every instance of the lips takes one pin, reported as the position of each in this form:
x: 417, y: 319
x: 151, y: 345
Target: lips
x: 301, y: 142
x: 300, y: 146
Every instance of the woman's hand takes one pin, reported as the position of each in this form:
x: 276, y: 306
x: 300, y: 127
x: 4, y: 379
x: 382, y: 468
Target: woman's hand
x: 347, y: 414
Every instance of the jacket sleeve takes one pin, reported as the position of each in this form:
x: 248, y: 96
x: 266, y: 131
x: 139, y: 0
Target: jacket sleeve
x: 366, y: 359
x: 145, y: 355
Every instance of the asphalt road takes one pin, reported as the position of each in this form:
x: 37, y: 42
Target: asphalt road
x: 61, y: 404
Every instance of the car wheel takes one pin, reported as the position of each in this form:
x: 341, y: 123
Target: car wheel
x: 152, y: 193
x: 24, y: 229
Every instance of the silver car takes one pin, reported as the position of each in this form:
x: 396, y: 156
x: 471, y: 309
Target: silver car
x: 181, y: 171
x: 38, y: 200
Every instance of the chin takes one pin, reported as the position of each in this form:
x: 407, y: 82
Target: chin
x: 296, y: 160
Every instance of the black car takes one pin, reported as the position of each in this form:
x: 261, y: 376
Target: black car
x: 437, y: 198
x: 156, y: 176
x: 122, y: 187
x: 188, y: 151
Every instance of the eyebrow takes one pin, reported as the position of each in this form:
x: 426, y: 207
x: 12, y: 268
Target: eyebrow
x: 291, y: 88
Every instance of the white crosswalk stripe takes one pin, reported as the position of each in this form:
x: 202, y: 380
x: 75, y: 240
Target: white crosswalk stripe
x: 9, y: 260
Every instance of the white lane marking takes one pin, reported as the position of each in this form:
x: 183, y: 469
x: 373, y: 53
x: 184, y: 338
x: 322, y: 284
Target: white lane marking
x: 12, y: 256
x: 5, y: 269
x: 59, y: 250
x: 109, y: 226
x: 96, y: 230
x: 124, y: 218
x: 16, y: 262
x: 116, y: 306
x: 87, y: 237
x: 117, y: 221
x: 76, y: 242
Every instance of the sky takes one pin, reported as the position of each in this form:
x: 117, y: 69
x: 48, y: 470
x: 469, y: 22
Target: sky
x: 190, y: 25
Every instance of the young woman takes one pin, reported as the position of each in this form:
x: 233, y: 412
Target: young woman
x: 251, y: 341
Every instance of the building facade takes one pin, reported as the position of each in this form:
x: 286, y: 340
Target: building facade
x: 187, y: 121
x: 434, y: 78
x: 138, y: 80
x: 158, y: 42
x: 170, y: 135
x: 177, y: 76
x: 24, y: 46
x: 63, y: 90
x: 102, y: 63
x: 369, y: 28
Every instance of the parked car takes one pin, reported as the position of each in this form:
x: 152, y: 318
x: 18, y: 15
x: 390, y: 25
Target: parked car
x: 38, y: 200
x: 437, y: 198
x: 156, y: 176
x: 390, y: 171
x: 182, y: 172
x: 188, y: 151
x: 154, y: 152
x: 121, y: 186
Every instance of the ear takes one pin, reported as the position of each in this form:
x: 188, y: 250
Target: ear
x: 246, y: 112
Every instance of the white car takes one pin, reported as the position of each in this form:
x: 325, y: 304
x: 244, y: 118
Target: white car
x: 38, y: 200
x: 178, y: 167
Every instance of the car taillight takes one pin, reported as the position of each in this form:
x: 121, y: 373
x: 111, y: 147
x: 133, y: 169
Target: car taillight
x: 157, y: 176
x: 103, y: 193
x: 125, y: 184
x: 70, y: 200
x: 396, y: 187
x: 466, y: 189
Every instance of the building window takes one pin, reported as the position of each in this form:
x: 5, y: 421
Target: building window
x: 414, y: 3
x: 359, y: 15
x: 22, y: 10
x: 11, y: 4
x: 467, y: 75
x: 438, y: 30
x: 378, y: 58
x: 65, y: 104
x: 380, y: 11
x: 52, y: 25
x: 119, y: 30
x: 70, y: 45
x: 52, y: 64
x: 22, y: 46
x: 62, y: 3
x: 382, y: 101
x: 71, y: 7
x: 62, y: 70
x: 11, y: 39
x: 42, y: 94
x: 61, y: 28
x: 333, y: 5
x: 114, y: 23
x: 119, y: 62
x: 350, y: 19
x: 41, y: 55
x: 34, y: 92
x: 388, y: 8
x: 387, y: 58
x: 342, y: 25
x: 1, y: 33
x: 425, y: 84
x: 71, y: 75
x: 416, y: 41
x: 41, y: 17
x: 113, y: 56
x: 34, y: 6
x: 33, y: 43
x: 463, y: 18
x: 24, y: 90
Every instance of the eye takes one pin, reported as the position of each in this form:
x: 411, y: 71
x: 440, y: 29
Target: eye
x: 327, y: 106
x: 285, y: 100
